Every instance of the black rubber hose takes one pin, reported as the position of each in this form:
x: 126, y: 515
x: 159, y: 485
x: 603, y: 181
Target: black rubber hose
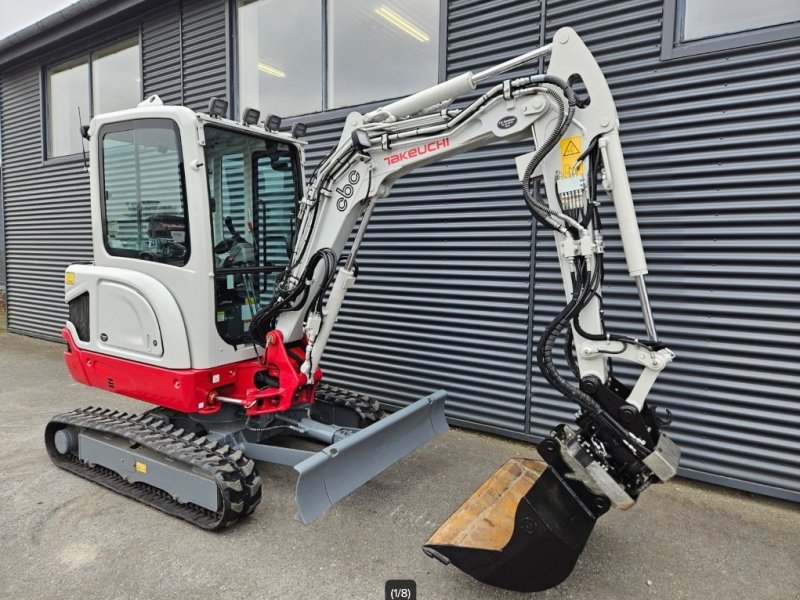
x: 264, y: 318
x: 544, y: 356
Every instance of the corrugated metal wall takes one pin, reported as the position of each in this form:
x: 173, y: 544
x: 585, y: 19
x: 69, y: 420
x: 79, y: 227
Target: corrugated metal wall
x: 2, y: 234
x: 46, y: 212
x: 205, y: 58
x: 712, y: 145
x: 443, y: 293
x: 162, y: 58
x: 446, y: 297
x: 47, y: 202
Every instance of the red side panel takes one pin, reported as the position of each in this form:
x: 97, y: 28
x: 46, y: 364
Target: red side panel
x: 190, y: 390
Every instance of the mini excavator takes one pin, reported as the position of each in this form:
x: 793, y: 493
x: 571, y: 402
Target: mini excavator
x: 218, y: 276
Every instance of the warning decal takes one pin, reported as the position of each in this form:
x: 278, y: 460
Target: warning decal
x: 571, y: 149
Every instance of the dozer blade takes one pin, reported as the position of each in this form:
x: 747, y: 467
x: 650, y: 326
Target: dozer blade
x: 334, y: 472
x: 522, y: 530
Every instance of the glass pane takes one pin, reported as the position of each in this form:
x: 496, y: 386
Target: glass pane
x: 67, y: 91
x: 280, y: 56
x: 277, y: 204
x: 380, y: 49
x: 706, y: 18
x: 145, y: 208
x: 116, y: 77
x: 253, y: 195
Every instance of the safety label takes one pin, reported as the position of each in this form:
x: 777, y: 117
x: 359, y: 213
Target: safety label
x: 571, y: 149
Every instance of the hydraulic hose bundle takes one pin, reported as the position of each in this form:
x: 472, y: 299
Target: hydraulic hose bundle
x: 292, y: 297
x: 585, y: 285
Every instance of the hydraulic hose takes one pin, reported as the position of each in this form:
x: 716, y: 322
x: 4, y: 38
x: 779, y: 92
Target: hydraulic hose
x: 264, y: 319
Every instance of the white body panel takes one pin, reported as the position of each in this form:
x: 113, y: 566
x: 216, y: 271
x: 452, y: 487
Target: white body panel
x: 129, y: 311
x: 185, y: 305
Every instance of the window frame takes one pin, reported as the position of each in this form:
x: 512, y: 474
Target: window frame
x: 132, y: 124
x: 672, y: 46
x: 297, y: 182
x: 89, y: 56
x: 327, y: 112
x: 296, y: 179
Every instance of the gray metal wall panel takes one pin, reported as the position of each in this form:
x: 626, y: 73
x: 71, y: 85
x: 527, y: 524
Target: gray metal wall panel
x: 711, y: 144
x: 46, y: 212
x: 2, y: 226
x: 205, y: 62
x: 46, y: 204
x: 443, y: 293
x: 161, y: 55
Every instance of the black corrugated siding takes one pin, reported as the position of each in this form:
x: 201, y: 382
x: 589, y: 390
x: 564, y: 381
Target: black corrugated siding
x: 161, y: 55
x: 445, y: 283
x: 46, y: 212
x: 443, y: 292
x: 711, y: 144
x: 205, y: 59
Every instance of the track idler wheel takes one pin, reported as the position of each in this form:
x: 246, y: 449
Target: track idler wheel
x: 522, y: 530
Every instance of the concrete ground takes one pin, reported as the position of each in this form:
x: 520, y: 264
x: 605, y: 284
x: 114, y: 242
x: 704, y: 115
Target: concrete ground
x: 63, y: 537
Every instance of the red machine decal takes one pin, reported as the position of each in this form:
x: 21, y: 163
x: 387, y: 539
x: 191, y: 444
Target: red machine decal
x: 197, y: 390
x: 393, y: 159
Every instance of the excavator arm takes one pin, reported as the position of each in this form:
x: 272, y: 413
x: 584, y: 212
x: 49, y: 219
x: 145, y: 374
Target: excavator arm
x: 616, y: 449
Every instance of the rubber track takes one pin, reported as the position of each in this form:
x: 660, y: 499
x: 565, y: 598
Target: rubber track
x: 237, y: 479
x: 368, y: 410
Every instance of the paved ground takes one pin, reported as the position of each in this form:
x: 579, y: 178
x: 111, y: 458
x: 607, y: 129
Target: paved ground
x: 63, y: 537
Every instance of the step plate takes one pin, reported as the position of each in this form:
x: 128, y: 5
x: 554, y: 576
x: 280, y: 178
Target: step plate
x: 339, y: 469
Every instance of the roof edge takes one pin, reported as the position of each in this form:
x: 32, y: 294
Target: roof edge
x: 60, y: 25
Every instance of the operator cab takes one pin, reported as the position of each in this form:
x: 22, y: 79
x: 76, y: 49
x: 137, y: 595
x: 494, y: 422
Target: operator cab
x: 194, y: 218
x: 254, y: 183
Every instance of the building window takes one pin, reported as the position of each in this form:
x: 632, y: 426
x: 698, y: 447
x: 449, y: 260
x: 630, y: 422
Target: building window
x: 700, y: 26
x: 106, y: 80
x: 312, y: 55
x: 144, y: 198
x: 67, y: 97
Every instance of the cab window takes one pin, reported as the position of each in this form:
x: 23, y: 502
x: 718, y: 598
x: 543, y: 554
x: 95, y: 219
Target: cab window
x: 143, y: 191
x: 253, y: 190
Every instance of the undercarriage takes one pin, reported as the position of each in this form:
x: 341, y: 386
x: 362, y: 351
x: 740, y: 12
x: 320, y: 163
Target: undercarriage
x: 201, y: 468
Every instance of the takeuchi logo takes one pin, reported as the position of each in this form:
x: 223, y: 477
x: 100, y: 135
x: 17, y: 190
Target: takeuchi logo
x: 393, y: 159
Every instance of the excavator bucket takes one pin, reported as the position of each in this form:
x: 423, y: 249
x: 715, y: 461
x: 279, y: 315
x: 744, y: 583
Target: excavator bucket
x: 522, y: 530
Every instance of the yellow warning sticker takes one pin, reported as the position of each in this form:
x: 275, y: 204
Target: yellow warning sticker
x: 140, y: 467
x: 571, y: 149
x: 69, y: 278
